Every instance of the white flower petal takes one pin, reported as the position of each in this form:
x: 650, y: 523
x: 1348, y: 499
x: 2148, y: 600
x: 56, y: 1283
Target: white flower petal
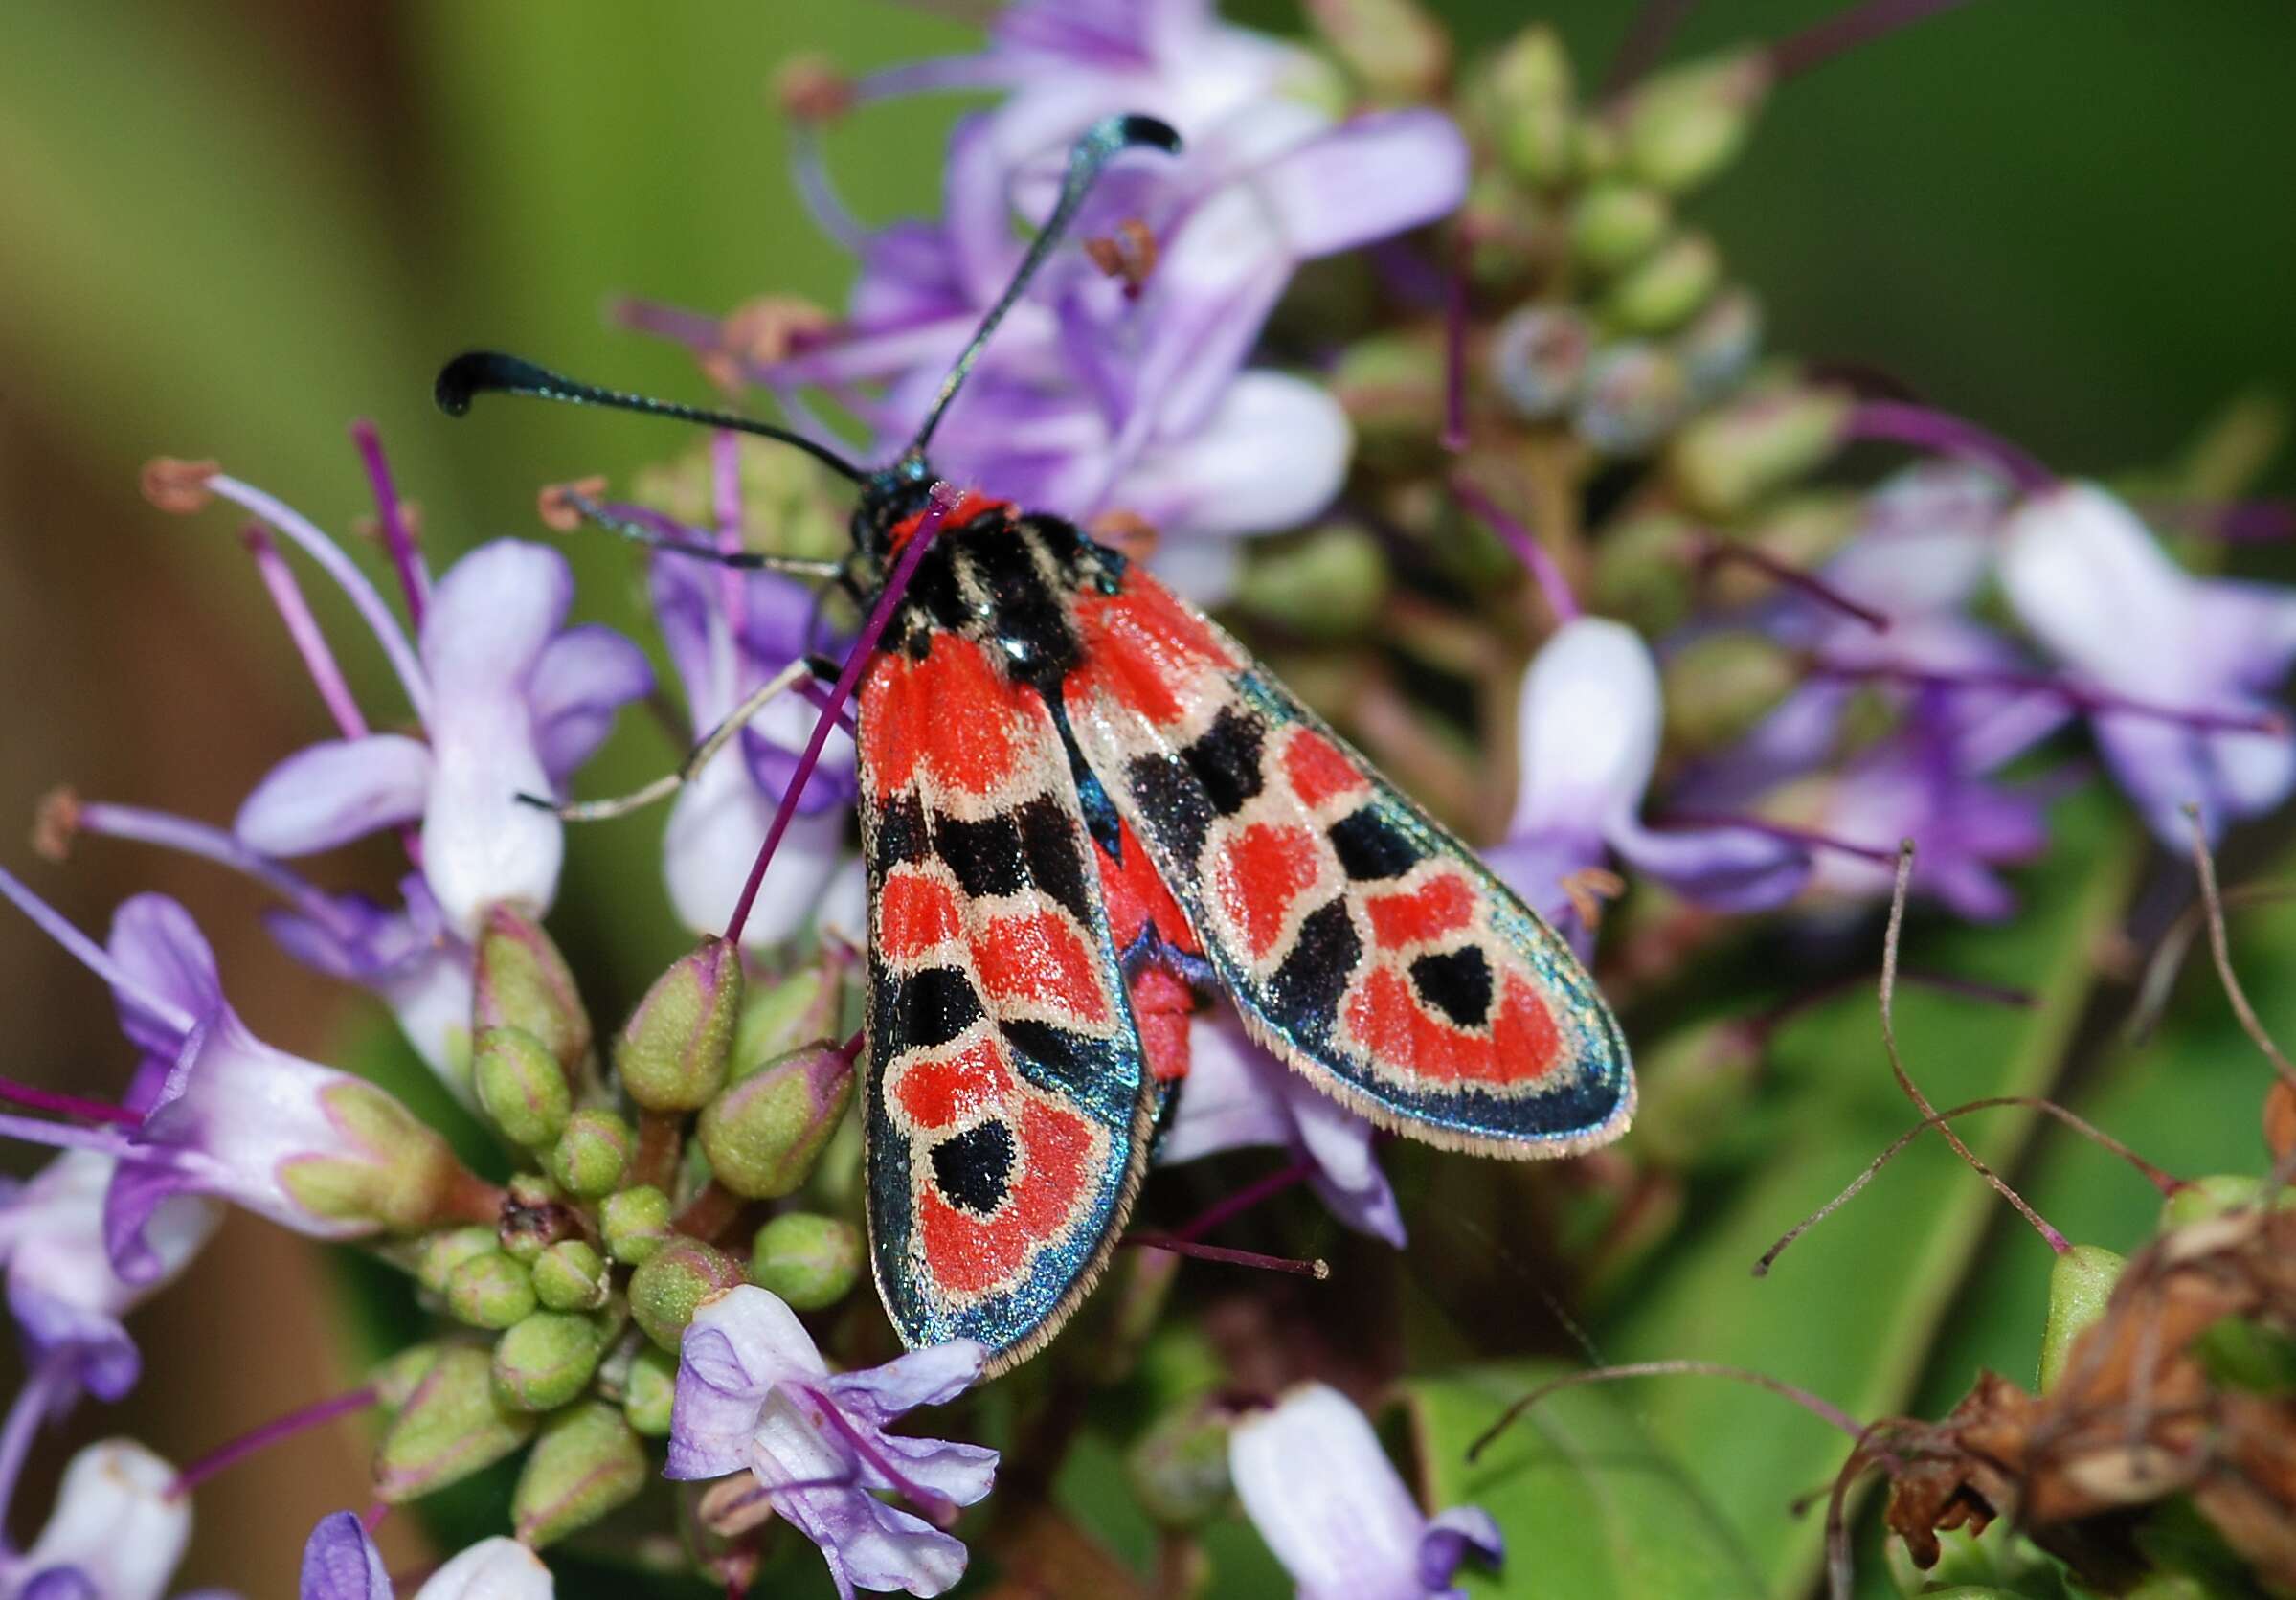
x: 491, y: 1570
x: 1587, y: 728
x: 716, y: 828
x: 2090, y: 582
x: 330, y: 793
x: 113, y: 1521
x: 1270, y: 455
x: 1326, y: 1499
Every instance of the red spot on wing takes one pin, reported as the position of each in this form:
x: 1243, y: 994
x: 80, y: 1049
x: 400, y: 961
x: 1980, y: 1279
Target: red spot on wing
x: 1139, y: 899
x: 971, y: 1254
x: 934, y: 1094
x: 1037, y: 958
x: 890, y: 736
x: 1261, y: 872
x: 915, y: 914
x: 1440, y: 907
x: 1319, y: 770
x: 954, y: 712
x: 969, y: 505
x: 1144, y: 649
x: 1402, y: 1035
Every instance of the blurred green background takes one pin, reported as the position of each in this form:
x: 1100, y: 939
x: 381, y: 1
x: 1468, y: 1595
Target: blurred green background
x: 227, y: 229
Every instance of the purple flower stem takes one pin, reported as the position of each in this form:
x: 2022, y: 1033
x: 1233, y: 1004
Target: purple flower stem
x: 2091, y: 701
x: 398, y: 536
x: 295, y: 611
x: 1846, y: 29
x: 1776, y: 830
x: 1711, y: 551
x: 937, y: 1509
x: 338, y: 565
x: 170, y: 832
x: 1946, y: 434
x: 2239, y: 520
x: 1525, y: 545
x: 944, y: 499
x: 91, y: 955
x: 1648, y: 36
x: 1251, y: 1195
x: 275, y: 1432
x: 25, y: 1415
x: 67, y: 1105
x: 1454, y: 356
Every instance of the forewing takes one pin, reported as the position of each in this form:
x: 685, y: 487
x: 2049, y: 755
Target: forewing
x: 1361, y: 940
x: 1006, y: 1114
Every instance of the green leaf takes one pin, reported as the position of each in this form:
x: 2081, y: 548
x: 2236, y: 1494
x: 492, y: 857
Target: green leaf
x: 1851, y: 1309
x: 1591, y: 1506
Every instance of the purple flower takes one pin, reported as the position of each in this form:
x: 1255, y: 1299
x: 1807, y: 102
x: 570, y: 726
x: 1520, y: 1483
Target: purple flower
x: 1324, y: 1496
x: 727, y: 635
x: 1589, y: 726
x: 341, y: 1563
x: 2088, y: 579
x: 116, y: 1533
x: 1237, y: 1095
x: 755, y: 1395
x: 510, y: 702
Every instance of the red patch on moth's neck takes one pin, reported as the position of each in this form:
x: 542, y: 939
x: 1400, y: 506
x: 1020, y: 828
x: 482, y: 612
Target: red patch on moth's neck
x: 969, y: 505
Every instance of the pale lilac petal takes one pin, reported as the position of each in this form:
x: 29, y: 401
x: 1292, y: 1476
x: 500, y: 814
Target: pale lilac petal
x: 2241, y: 634
x: 162, y: 952
x: 1218, y: 479
x: 114, y: 1522
x: 1587, y: 728
x: 736, y: 1348
x: 585, y: 675
x: 1347, y: 1177
x: 2088, y: 579
x: 1330, y: 1504
x: 932, y: 1376
x: 1204, y: 570
x: 493, y: 614
x: 1723, y: 868
x: 1376, y: 175
x: 1536, y: 865
x: 1451, y: 1536
x: 2163, y: 767
x: 961, y: 1474
x: 330, y: 793
x: 716, y: 828
x: 1225, y: 1101
x: 874, y: 1545
x: 1927, y: 542
x: 494, y: 1568
x: 104, y: 1358
x: 341, y: 1563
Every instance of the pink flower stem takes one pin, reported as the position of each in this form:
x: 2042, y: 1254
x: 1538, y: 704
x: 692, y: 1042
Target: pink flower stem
x: 1777, y: 830
x: 1846, y: 29
x: 1648, y: 36
x: 2087, y: 700
x: 93, y: 955
x: 929, y: 526
x: 1454, y: 354
x: 812, y: 690
x: 275, y: 1432
x: 1945, y: 434
x: 67, y: 1105
x: 2239, y: 521
x: 1251, y: 1195
x: 398, y: 535
x: 295, y: 611
x: 170, y: 832
x: 1526, y: 547
x: 1711, y: 551
x: 938, y: 1509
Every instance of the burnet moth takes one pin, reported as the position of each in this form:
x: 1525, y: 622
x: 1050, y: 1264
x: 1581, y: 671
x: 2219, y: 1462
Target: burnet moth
x: 1082, y: 807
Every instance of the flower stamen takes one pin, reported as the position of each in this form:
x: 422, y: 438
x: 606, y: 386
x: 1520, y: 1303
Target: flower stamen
x: 398, y: 533
x: 303, y: 628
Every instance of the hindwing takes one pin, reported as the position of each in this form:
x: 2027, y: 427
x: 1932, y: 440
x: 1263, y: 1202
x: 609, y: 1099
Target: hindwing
x: 1362, y: 942
x: 1007, y: 1097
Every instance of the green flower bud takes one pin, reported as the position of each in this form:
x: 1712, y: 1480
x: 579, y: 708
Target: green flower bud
x: 1539, y: 359
x: 443, y: 1253
x: 1398, y: 51
x: 523, y: 981
x: 586, y: 1463
x: 451, y: 1426
x: 1616, y: 224
x: 2206, y: 1197
x: 387, y: 1167
x: 396, y: 1379
x: 1325, y: 584
x: 671, y: 1284
x: 635, y: 1222
x: 520, y: 1086
x: 1719, y: 348
x: 810, y: 1261
x: 1696, y: 1085
x: 593, y: 1153
x: 651, y: 1385
x: 570, y: 1276
x: 547, y: 1359
x: 1683, y: 125
x: 1800, y: 531
x: 1634, y: 395
x: 1391, y: 386
x: 490, y: 1291
x: 1179, y: 1469
x: 785, y: 1014
x: 2081, y: 1281
x: 1639, y: 572
x: 672, y: 1054
x: 1664, y: 290
x: 1719, y: 684
x: 1529, y: 101
x: 763, y: 1133
x: 1729, y: 459
x: 788, y: 502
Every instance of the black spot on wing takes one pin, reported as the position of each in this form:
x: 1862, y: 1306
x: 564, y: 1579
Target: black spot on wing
x: 1304, y: 992
x: 1053, y: 850
x: 929, y: 1007
x: 973, y: 1170
x: 899, y: 833
x: 1226, y: 759
x: 934, y: 593
x: 1096, y: 1075
x: 1456, y: 983
x: 986, y: 855
x: 1167, y: 798
x: 1026, y: 617
x: 1370, y: 847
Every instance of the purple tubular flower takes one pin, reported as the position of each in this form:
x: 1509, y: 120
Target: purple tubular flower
x: 1331, y: 1508
x: 2088, y: 579
x: 1237, y: 1095
x: 726, y: 634
x: 755, y: 1395
x: 511, y: 701
x: 1588, y: 728
x: 340, y: 1562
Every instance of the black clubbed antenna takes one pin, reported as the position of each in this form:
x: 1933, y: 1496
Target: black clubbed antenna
x: 476, y: 373
x: 1093, y: 151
